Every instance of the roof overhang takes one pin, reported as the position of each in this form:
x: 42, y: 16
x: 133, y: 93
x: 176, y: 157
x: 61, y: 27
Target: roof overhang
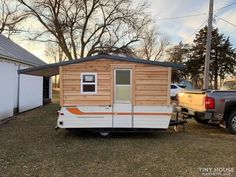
x: 41, y: 71
x: 53, y: 69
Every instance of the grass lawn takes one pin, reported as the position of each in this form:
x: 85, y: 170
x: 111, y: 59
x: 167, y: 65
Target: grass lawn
x: 29, y: 146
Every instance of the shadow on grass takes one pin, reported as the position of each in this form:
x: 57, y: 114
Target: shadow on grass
x: 75, y: 134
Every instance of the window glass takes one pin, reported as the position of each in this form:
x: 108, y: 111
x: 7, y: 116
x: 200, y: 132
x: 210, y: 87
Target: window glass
x: 122, y: 77
x: 182, y: 86
x: 123, y: 93
x: 88, y: 88
x: 88, y: 83
x: 88, y: 78
x: 173, y: 87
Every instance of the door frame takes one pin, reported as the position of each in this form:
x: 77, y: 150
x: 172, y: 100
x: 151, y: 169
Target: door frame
x: 123, y: 66
x: 114, y: 86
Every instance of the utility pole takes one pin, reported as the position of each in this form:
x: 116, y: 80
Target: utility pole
x: 208, y: 46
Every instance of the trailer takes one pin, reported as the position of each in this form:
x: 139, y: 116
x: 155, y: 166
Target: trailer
x: 108, y: 93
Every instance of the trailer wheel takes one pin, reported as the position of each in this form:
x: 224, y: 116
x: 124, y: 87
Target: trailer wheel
x: 104, y: 133
x: 231, y: 123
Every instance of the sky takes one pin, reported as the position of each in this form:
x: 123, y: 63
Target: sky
x: 168, y: 17
x: 167, y: 12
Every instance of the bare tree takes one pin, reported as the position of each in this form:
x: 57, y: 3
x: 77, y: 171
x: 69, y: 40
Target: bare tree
x: 55, y: 55
x: 10, y: 17
x: 152, y: 44
x: 87, y: 27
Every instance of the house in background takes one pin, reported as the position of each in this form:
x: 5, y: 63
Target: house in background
x: 19, y: 93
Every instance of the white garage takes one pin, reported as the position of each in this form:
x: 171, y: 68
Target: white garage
x: 19, y: 93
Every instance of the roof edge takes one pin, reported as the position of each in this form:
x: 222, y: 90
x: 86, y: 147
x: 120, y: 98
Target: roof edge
x: 4, y: 57
x: 112, y: 57
x: 21, y: 58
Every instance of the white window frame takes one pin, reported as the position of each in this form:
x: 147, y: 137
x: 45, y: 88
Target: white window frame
x: 120, y: 85
x: 88, y: 83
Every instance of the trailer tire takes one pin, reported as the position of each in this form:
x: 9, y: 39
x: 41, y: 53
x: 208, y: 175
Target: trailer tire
x: 104, y: 133
x: 231, y: 123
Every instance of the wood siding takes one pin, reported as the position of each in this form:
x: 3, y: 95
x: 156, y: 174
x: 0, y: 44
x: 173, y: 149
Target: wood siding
x: 150, y: 86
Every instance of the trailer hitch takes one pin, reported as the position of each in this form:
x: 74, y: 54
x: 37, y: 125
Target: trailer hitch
x: 176, y: 122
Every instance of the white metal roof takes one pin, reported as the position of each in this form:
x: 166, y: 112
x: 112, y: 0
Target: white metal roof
x: 10, y: 50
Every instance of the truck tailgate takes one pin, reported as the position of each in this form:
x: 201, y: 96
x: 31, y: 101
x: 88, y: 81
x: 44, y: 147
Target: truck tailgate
x: 192, y: 100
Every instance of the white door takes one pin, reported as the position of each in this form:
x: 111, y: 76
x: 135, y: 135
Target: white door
x: 122, y: 117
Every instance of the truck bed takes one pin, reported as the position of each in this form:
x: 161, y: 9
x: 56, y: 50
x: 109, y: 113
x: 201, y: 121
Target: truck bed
x: 193, y: 100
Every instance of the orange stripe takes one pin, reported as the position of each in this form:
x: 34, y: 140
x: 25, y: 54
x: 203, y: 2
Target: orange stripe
x: 76, y: 111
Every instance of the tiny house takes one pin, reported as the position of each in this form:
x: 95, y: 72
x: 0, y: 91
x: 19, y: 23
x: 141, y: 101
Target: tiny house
x: 108, y: 93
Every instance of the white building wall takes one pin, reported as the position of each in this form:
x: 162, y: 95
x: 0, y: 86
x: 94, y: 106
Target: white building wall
x: 15, y: 87
x: 30, y: 91
x: 8, y: 76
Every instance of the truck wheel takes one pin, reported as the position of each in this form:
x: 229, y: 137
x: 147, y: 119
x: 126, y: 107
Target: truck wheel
x: 231, y: 123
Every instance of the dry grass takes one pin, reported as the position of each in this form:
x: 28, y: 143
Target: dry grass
x: 29, y: 146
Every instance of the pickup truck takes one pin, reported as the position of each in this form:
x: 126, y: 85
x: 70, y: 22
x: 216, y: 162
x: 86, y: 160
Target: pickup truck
x: 210, y: 106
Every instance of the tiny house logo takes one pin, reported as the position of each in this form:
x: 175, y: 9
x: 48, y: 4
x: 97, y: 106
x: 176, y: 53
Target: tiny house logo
x: 220, y: 171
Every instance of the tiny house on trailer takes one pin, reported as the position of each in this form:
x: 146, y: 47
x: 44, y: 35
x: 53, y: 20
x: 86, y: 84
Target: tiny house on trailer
x: 108, y: 93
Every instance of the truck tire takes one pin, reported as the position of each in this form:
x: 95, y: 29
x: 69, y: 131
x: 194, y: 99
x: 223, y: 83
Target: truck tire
x: 231, y: 123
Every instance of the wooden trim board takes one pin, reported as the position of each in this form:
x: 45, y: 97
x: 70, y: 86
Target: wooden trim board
x: 61, y: 86
x: 168, y: 86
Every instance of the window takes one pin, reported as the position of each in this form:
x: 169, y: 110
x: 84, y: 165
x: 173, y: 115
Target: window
x: 173, y: 87
x: 122, y: 86
x: 123, y: 77
x: 181, y: 86
x: 88, y: 83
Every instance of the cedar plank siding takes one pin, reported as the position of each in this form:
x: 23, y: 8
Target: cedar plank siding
x: 150, y: 83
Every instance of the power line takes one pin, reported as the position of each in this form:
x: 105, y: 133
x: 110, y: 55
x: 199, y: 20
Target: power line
x: 216, y: 16
x: 199, y: 14
x: 195, y: 31
x: 179, y: 17
x: 225, y: 7
x: 194, y: 15
x: 227, y: 21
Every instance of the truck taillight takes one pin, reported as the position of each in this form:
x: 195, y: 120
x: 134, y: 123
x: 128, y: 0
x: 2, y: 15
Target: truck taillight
x: 209, y: 103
